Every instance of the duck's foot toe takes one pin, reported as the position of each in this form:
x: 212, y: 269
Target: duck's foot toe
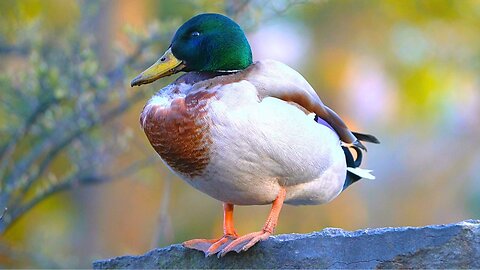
x: 210, y: 246
x: 245, y: 242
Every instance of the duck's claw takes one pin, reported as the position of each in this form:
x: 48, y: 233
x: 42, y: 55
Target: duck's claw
x: 200, y: 244
x: 245, y: 242
x: 220, y: 244
x: 210, y: 246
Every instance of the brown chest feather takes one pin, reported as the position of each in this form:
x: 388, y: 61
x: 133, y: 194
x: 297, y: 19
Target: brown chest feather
x: 180, y: 133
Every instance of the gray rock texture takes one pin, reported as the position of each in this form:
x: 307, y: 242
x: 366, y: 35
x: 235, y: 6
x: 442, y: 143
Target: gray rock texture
x: 439, y: 246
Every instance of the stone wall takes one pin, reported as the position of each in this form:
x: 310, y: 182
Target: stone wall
x: 439, y: 246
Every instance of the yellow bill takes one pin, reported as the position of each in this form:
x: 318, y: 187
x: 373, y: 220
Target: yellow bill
x: 165, y: 66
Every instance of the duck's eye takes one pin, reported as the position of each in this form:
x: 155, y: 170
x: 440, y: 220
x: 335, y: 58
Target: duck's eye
x: 195, y: 34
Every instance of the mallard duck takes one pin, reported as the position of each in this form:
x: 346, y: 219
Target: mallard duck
x: 244, y: 132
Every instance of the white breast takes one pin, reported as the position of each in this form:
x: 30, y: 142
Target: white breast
x: 259, y: 146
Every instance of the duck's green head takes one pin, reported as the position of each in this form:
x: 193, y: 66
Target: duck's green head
x: 206, y: 42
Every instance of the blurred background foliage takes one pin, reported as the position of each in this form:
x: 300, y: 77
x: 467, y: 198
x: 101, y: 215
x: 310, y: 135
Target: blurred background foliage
x: 406, y: 71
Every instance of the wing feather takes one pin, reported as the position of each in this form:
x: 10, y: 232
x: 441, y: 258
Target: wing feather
x: 275, y: 79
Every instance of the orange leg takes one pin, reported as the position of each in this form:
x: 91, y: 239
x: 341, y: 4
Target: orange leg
x: 247, y: 241
x: 212, y: 246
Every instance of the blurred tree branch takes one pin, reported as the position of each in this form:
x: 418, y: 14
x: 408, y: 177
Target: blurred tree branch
x: 74, y: 180
x: 164, y: 233
x: 58, y: 111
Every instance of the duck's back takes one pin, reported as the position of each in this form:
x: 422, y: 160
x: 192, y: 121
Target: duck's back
x: 227, y: 138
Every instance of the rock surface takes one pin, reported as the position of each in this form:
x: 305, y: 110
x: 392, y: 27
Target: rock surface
x: 439, y: 246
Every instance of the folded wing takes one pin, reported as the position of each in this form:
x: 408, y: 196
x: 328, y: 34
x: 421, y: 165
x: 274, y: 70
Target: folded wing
x: 275, y: 79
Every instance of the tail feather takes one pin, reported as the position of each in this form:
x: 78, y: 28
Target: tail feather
x: 354, y: 172
x: 363, y: 173
x: 366, y: 137
x: 351, y: 163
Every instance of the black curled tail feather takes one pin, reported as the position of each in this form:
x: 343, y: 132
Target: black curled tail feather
x: 352, y: 163
x: 357, y: 146
x: 366, y: 137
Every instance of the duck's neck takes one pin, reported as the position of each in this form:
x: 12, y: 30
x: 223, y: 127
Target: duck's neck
x: 197, y: 76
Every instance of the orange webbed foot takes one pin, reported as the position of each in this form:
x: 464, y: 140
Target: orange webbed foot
x: 245, y: 242
x: 230, y: 240
x: 213, y: 246
x: 210, y: 246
